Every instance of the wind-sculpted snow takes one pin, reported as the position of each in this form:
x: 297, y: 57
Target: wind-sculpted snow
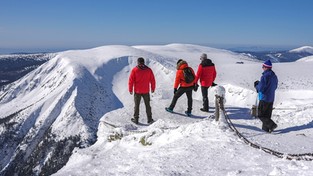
x: 58, y: 115
x: 61, y: 100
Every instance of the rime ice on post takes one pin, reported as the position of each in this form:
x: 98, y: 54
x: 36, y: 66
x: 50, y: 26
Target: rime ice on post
x: 219, y: 105
x: 220, y: 91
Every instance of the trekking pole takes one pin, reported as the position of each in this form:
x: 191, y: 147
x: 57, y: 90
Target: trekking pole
x: 217, y: 108
x: 254, y: 109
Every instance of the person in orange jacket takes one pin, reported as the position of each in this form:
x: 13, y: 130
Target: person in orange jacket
x: 140, y: 80
x: 207, y: 74
x: 184, y: 87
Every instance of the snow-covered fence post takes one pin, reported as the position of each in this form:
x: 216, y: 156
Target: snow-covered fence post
x: 219, y: 103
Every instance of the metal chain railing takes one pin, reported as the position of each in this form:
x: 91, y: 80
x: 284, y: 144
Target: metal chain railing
x: 303, y: 156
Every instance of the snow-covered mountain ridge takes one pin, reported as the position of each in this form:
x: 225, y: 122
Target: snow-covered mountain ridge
x: 61, y: 106
x: 307, y: 49
x: 281, y: 56
x: 15, y: 66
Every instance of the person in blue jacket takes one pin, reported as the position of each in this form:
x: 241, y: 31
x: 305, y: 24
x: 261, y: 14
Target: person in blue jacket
x: 266, y: 89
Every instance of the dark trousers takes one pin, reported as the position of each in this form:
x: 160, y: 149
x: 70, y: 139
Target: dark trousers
x: 146, y: 99
x: 179, y: 93
x: 204, y: 91
x: 265, y: 113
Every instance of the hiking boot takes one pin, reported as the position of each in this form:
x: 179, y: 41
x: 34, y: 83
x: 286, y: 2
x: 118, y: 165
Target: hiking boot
x: 151, y: 121
x: 169, y: 109
x: 188, y: 113
x: 264, y: 128
x: 273, y: 128
x: 134, y: 120
x: 204, y: 110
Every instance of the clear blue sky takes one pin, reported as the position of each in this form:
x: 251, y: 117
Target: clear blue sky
x: 77, y: 24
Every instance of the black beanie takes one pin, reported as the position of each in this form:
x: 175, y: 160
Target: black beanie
x: 141, y: 60
x: 179, y: 61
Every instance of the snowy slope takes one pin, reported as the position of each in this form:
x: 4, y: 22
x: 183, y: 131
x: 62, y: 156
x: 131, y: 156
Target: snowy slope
x: 75, y: 95
x: 307, y: 49
x: 306, y: 59
x: 61, y: 100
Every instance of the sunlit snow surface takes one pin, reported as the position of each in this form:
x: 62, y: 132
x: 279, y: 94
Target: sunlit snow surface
x: 78, y: 85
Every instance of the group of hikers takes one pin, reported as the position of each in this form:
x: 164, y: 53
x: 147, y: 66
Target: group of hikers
x: 141, y: 79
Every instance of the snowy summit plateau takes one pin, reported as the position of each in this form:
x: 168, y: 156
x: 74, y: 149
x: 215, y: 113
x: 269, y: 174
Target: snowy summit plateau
x: 71, y: 116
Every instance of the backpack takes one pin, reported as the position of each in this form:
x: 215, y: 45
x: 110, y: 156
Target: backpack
x: 188, y: 75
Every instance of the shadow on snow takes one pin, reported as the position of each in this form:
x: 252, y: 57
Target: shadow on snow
x: 237, y: 113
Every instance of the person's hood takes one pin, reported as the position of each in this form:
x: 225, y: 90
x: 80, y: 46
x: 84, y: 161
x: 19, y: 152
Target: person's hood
x: 142, y: 66
x: 207, y: 62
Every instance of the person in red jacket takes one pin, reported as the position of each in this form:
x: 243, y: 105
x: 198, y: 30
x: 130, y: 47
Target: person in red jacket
x: 184, y: 87
x: 207, y: 74
x: 140, y: 80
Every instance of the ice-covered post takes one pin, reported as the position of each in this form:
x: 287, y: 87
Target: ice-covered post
x: 219, y: 103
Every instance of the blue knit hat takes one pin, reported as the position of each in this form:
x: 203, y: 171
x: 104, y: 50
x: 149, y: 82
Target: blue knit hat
x: 267, y: 64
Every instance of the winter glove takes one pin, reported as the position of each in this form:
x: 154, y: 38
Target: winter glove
x: 195, y: 87
x: 256, y: 83
x: 175, y: 90
x: 213, y: 84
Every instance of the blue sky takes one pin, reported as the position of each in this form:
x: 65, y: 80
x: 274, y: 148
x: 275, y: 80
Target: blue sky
x: 62, y: 24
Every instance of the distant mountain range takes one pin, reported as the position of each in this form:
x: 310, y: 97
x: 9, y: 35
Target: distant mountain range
x: 280, y: 56
x: 15, y: 66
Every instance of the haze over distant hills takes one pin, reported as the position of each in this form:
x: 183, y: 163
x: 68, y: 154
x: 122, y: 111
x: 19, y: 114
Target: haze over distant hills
x: 281, y: 56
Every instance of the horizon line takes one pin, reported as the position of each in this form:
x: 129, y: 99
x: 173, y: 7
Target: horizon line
x: 232, y: 47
